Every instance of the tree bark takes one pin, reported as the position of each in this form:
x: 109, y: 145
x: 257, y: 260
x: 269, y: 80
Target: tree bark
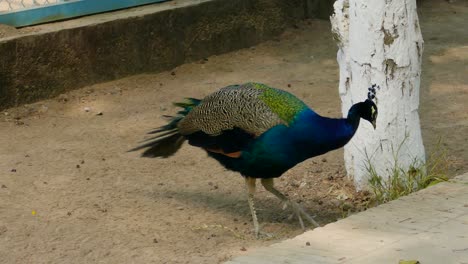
x: 380, y: 42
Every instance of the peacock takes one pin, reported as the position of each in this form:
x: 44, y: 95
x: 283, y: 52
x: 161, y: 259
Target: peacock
x: 258, y: 131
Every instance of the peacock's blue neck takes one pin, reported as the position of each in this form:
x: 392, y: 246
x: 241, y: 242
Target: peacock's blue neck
x: 315, y: 135
x: 354, y: 115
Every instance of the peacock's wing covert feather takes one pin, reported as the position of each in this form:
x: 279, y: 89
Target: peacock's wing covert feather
x: 253, y: 108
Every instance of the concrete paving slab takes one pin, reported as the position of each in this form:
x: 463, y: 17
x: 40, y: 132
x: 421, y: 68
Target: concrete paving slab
x: 430, y: 226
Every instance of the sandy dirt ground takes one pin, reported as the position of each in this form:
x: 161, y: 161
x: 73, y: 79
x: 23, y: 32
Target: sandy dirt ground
x: 70, y: 193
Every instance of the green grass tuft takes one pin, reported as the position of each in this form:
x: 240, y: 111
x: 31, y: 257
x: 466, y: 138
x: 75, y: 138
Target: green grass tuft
x: 402, y: 182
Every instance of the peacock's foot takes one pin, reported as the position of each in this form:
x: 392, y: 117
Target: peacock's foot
x: 300, y: 212
x: 262, y: 235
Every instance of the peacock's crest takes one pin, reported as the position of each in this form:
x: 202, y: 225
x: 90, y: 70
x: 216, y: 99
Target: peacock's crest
x: 371, y: 95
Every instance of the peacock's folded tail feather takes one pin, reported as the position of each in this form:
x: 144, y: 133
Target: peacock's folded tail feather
x: 167, y: 139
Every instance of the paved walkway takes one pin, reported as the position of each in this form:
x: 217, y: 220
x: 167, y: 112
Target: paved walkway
x: 430, y: 226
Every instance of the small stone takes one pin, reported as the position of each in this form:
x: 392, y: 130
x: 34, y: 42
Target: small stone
x: 243, y: 249
x: 180, y: 208
x: 87, y: 109
x: 289, y: 85
x: 4, y: 186
x: 3, y: 229
x: 13, y: 170
x: 43, y: 109
x: 173, y: 73
x: 409, y: 262
x: 78, y: 166
x: 63, y: 98
x: 324, y: 160
x: 99, y: 114
x: 307, y: 243
x: 88, y: 179
x: 69, y: 213
x: 81, y: 161
x: 342, y: 196
x: 155, y: 241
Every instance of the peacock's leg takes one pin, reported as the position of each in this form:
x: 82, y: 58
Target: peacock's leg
x: 298, y: 210
x: 250, y: 184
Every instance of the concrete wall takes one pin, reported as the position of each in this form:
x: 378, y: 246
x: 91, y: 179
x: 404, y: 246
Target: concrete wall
x: 151, y: 39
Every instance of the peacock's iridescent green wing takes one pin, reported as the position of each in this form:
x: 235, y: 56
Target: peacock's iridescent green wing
x: 280, y: 102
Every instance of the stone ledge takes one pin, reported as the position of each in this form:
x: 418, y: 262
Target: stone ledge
x: 46, y: 60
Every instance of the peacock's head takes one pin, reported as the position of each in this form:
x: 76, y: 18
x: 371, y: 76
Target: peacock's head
x: 369, y: 108
x: 366, y: 110
x: 369, y: 112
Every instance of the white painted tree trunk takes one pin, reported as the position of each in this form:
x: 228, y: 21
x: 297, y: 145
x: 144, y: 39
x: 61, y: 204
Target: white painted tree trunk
x: 380, y: 42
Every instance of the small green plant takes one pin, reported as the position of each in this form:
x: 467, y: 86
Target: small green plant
x: 401, y: 182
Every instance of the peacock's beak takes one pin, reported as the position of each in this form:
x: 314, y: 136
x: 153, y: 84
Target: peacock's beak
x: 374, y: 123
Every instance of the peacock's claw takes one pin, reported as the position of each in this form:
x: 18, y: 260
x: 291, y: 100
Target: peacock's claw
x: 263, y: 235
x: 300, y: 212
